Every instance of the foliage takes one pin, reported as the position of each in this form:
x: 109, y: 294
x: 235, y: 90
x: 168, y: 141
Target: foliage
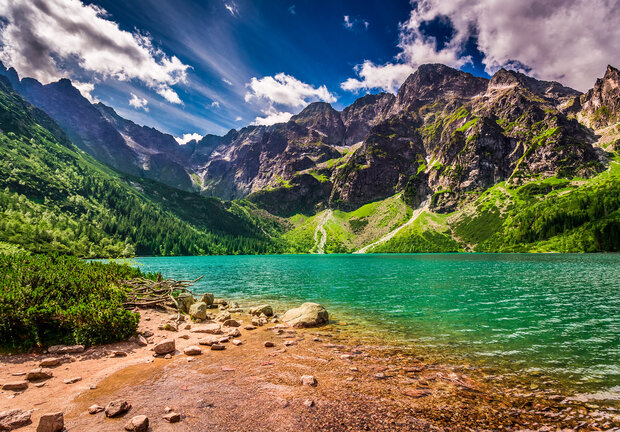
x: 54, y: 299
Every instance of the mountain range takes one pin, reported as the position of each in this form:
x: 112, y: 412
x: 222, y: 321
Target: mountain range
x: 473, y: 155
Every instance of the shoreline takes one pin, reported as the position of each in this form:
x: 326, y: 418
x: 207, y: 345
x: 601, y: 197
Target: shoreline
x: 361, y: 383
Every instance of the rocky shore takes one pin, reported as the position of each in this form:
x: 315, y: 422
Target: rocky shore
x: 220, y: 366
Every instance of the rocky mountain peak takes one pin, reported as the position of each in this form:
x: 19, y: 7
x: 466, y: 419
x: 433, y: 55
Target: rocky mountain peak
x: 551, y: 90
x: 601, y: 104
x: 323, y: 118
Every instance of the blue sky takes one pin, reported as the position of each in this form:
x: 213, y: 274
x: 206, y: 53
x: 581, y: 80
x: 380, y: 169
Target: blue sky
x: 197, y: 67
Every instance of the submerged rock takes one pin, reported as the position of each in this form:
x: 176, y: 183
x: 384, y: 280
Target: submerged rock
x: 307, y: 315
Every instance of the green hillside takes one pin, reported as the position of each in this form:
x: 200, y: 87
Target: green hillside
x: 53, y: 197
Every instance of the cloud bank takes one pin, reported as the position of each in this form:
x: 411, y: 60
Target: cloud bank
x: 570, y: 41
x: 52, y: 39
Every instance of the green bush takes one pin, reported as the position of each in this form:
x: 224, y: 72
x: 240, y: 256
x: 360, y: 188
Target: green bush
x: 53, y: 299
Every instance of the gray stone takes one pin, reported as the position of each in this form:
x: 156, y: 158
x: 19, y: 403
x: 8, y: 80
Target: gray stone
x: 234, y: 332
x: 141, y: 340
x: 217, y: 347
x: 94, y: 409
x: 164, y: 347
x: 53, y: 422
x: 209, y: 340
x: 65, y: 349
x: 198, y: 310
x: 262, y: 309
x: 185, y: 301
x: 139, y: 423
x: 223, y: 316
x: 13, y: 419
x: 51, y: 362
x: 231, y: 323
x: 307, y: 315
x: 208, y: 298
x: 213, y: 328
x: 72, y: 380
x: 116, y: 408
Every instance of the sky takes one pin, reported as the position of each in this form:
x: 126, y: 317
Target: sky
x: 192, y: 67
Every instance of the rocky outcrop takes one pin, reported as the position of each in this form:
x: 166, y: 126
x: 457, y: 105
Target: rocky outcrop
x: 359, y: 117
x: 601, y: 104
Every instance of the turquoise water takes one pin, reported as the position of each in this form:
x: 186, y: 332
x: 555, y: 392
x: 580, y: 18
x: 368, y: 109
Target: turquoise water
x: 558, y: 314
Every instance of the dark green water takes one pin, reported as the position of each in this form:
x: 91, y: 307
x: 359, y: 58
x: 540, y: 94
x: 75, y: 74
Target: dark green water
x: 557, y: 314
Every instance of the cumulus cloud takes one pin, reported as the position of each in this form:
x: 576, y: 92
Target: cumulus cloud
x: 272, y: 117
x: 387, y: 77
x: 188, y: 137
x: 277, y: 95
x: 51, y: 39
x: 570, y: 41
x: 138, y: 103
x: 86, y: 89
x: 286, y: 90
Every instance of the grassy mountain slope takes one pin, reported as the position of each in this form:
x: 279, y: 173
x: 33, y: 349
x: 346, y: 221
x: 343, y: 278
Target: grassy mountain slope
x: 53, y: 197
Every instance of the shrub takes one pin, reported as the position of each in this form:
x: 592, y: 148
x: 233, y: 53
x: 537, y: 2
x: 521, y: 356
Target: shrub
x: 53, y: 299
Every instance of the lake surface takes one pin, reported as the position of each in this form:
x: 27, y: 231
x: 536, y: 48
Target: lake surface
x: 556, y: 314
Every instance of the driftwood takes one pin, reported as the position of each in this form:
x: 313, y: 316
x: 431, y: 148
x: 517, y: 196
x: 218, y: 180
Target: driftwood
x: 149, y: 293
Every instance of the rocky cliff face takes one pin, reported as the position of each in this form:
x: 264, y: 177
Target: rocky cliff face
x: 600, y: 106
x: 447, y: 135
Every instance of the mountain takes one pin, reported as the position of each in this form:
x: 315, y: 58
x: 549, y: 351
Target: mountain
x: 54, y: 197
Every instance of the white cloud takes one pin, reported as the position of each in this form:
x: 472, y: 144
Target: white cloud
x: 86, y: 89
x: 238, y: 118
x: 286, y: 90
x: 232, y: 8
x: 292, y: 10
x: 215, y: 104
x: 272, y: 117
x: 351, y: 24
x: 138, y: 102
x: 51, y: 39
x: 570, y: 41
x: 188, y: 137
x: 387, y: 77
x: 227, y: 81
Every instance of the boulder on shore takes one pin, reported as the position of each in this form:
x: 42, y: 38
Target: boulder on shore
x: 185, y: 300
x: 262, y: 309
x: 307, y: 315
x: 198, y: 310
x: 165, y: 347
x: 208, y: 298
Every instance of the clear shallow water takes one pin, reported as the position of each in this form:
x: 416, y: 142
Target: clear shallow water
x: 559, y: 314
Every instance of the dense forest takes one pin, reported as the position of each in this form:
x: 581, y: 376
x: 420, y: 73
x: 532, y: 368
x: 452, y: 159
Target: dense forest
x: 55, y: 198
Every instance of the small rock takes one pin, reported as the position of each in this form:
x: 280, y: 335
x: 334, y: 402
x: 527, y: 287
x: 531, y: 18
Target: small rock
x: 116, y: 408
x: 224, y: 339
x: 15, y: 385
x: 39, y: 374
x: 350, y: 379
x: 231, y: 323
x: 170, y: 327
x: 198, y: 310
x: 72, y: 380
x: 354, y: 369
x: 141, y: 340
x: 222, y: 317
x: 192, y: 350
x: 380, y: 375
x: 201, y: 403
x: 146, y: 333
x: 165, y: 346
x: 187, y: 326
x: 262, y: 309
x: 64, y: 349
x: 236, y: 342
x: 290, y: 343
x: 209, y: 340
x: 119, y: 354
x: 53, y: 422
x: 13, y: 419
x: 18, y: 374
x: 309, y: 403
x: 185, y: 301
x: 307, y: 315
x: 39, y: 385
x: 269, y: 344
x: 234, y: 332
x: 213, y: 328
x: 250, y: 327
x: 139, y: 423
x: 217, y: 347
x: 208, y: 298
x: 168, y: 356
x: 172, y: 417
x: 51, y: 362
x: 309, y: 380
x: 94, y: 409
x: 184, y: 336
